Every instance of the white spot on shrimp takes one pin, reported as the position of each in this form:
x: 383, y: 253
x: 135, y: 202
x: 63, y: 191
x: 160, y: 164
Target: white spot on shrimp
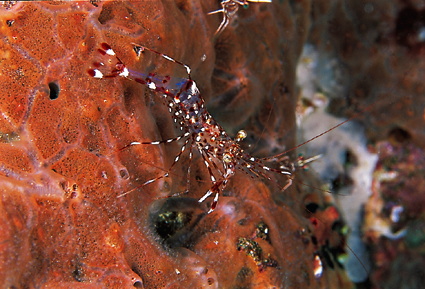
x: 152, y: 85
x: 150, y: 181
x: 110, y: 52
x: 318, y: 267
x: 207, y: 194
x: 97, y: 73
x: 124, y: 72
x: 168, y: 58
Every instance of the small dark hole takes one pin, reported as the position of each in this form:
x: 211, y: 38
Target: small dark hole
x: 350, y: 158
x: 135, y: 268
x: 169, y: 223
x: 312, y: 207
x: 182, y: 5
x: 408, y: 24
x: 242, y: 222
x: 210, y: 281
x: 337, y: 226
x: 78, y: 274
x: 124, y: 174
x: 138, y: 284
x: 54, y: 90
x: 341, y: 181
x: 284, y: 89
x: 9, y: 23
x: 399, y: 135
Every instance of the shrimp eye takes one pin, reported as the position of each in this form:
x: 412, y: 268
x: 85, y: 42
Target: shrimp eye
x: 227, y: 158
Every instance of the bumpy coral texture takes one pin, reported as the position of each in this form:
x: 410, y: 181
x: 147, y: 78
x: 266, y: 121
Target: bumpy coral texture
x: 62, y: 222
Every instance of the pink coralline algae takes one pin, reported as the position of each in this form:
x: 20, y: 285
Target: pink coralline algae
x: 62, y: 223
